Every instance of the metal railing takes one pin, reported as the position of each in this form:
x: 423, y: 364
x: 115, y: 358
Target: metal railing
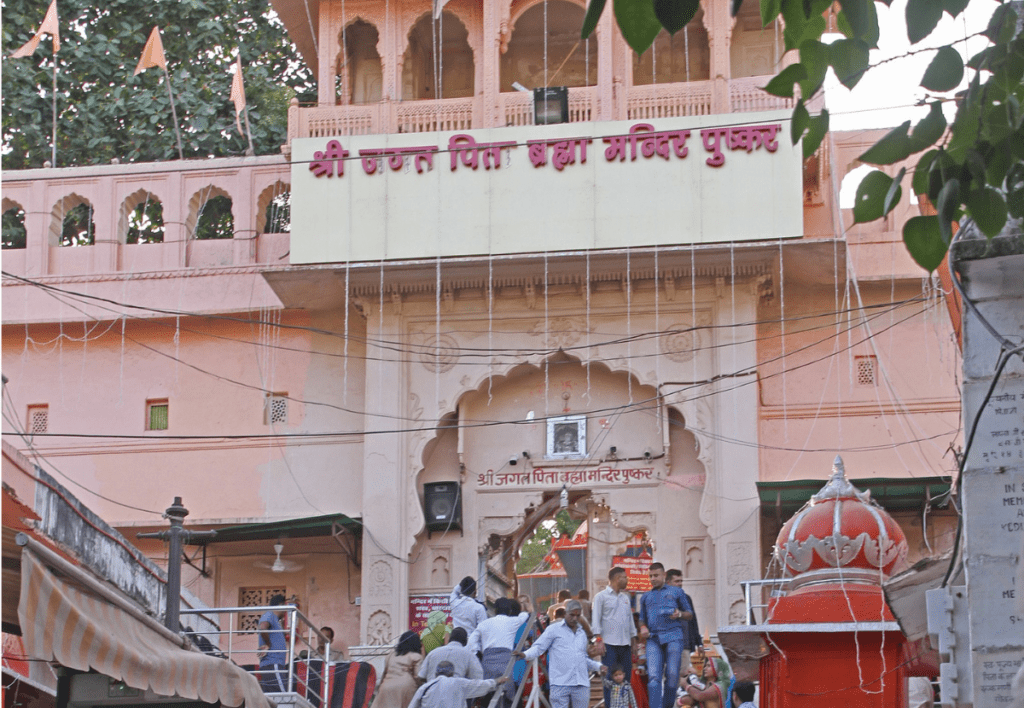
x: 305, y: 673
x: 759, y: 586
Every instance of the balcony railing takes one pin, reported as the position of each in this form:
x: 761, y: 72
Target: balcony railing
x: 694, y: 98
x: 746, y: 96
x: 307, y: 664
x: 669, y: 100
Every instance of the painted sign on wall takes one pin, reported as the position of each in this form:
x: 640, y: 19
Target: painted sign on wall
x: 530, y: 189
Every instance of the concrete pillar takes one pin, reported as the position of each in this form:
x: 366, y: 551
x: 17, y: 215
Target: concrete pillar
x: 327, y: 51
x: 488, y: 66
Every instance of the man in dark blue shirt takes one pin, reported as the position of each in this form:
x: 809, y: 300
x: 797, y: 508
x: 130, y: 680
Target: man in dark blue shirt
x: 664, y: 611
x: 274, y: 662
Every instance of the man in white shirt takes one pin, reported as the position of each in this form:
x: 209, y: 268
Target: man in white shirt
x: 465, y: 662
x: 495, y: 638
x: 613, y: 626
x: 565, y: 642
x: 462, y: 604
x: 446, y: 690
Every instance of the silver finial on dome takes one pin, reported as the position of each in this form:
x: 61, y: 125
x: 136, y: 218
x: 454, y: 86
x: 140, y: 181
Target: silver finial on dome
x: 838, y: 486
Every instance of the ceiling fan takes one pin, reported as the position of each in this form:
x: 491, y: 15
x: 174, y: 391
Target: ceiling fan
x: 279, y: 565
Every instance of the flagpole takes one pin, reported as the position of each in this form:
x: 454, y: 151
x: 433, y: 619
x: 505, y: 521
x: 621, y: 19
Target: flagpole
x: 53, y: 149
x: 174, y: 113
x: 248, y: 132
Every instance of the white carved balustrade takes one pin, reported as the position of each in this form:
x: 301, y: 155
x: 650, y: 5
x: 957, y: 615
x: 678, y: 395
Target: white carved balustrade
x: 669, y: 100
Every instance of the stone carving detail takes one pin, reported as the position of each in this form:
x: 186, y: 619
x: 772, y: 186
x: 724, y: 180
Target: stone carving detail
x: 740, y: 566
x: 439, y: 355
x: 685, y: 338
x: 380, y: 579
x: 562, y: 331
x: 695, y: 567
x: 378, y: 629
x: 440, y: 573
x: 736, y: 612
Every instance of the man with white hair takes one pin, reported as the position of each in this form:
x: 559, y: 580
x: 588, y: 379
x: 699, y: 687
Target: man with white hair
x: 565, y: 642
x: 446, y: 690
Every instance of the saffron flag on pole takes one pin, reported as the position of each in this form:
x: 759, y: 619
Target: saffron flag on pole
x: 152, y: 53
x: 238, y: 94
x: 49, y: 26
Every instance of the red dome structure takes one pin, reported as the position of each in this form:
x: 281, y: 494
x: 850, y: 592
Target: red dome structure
x: 840, y: 528
x: 829, y: 637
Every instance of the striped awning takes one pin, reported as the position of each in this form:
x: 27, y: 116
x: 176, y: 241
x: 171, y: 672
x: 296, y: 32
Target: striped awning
x: 62, y: 621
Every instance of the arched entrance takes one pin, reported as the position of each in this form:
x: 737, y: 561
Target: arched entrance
x: 632, y: 467
x: 438, y: 62
x: 557, y: 58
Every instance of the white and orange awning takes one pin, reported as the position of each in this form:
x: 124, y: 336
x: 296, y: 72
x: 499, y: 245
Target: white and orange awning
x: 63, y: 619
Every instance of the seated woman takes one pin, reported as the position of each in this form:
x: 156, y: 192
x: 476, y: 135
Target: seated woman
x: 716, y: 684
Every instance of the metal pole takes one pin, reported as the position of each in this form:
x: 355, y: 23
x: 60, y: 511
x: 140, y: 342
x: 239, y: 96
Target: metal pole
x: 177, y: 130
x: 175, y: 537
x: 53, y: 149
x: 176, y: 514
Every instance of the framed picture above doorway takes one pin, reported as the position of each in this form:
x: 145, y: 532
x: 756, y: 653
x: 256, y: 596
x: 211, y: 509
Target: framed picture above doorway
x: 567, y: 437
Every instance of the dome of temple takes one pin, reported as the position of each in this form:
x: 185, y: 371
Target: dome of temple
x: 840, y: 528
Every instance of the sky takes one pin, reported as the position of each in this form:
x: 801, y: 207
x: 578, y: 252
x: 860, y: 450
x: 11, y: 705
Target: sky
x: 884, y: 97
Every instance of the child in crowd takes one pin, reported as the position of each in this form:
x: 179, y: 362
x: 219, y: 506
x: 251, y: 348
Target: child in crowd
x: 743, y: 695
x: 620, y: 692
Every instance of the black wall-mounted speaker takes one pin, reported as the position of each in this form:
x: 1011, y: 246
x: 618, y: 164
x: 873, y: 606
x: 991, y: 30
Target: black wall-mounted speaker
x: 442, y: 506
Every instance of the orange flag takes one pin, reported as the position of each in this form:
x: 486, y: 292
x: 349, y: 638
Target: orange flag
x: 152, y: 53
x: 49, y: 26
x: 238, y: 94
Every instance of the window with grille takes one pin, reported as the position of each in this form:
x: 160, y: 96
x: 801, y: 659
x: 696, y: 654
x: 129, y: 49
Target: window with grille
x: 866, y: 366
x: 255, y: 597
x: 38, y: 419
x: 276, y: 408
x: 156, y: 414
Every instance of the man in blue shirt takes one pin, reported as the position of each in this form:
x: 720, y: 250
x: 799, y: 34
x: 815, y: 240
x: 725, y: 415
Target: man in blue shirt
x: 274, y: 659
x: 664, y: 610
x: 565, y: 642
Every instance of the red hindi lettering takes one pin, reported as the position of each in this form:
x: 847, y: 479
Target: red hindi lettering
x: 325, y: 163
x: 713, y: 138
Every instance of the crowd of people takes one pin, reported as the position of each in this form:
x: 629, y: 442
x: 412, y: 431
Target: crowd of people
x: 642, y: 656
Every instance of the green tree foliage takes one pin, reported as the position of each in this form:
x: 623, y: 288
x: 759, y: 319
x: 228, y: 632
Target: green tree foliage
x: 971, y: 166
x: 538, y: 545
x: 105, y: 113
x: 13, y: 229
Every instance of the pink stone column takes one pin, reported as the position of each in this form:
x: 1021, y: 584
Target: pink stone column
x: 605, y: 33
x: 37, y: 233
x: 719, y: 25
x: 489, y: 84
x: 326, y: 52
x: 104, y: 215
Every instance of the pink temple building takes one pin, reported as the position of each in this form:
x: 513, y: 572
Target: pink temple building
x: 429, y: 316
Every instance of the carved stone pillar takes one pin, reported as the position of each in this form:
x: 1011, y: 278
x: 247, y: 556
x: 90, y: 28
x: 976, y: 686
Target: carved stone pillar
x: 385, y: 578
x: 326, y: 53
x: 719, y: 24
x: 490, y: 70
x: 605, y: 34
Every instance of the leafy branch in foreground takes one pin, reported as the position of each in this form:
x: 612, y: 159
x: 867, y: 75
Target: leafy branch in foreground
x: 971, y: 166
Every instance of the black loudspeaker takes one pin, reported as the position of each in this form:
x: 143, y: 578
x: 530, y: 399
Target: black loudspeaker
x: 442, y: 506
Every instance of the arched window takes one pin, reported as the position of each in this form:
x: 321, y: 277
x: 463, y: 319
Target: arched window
x: 570, y: 61
x: 142, y: 217
x: 274, y: 214
x: 438, y: 50
x: 215, y: 219
x: 754, y: 50
x: 209, y: 214
x: 78, y: 228
x: 360, y: 75
x: 14, y: 234
x: 673, y: 58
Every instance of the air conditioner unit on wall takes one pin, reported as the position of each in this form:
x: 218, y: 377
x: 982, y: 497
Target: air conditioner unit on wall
x: 101, y: 690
